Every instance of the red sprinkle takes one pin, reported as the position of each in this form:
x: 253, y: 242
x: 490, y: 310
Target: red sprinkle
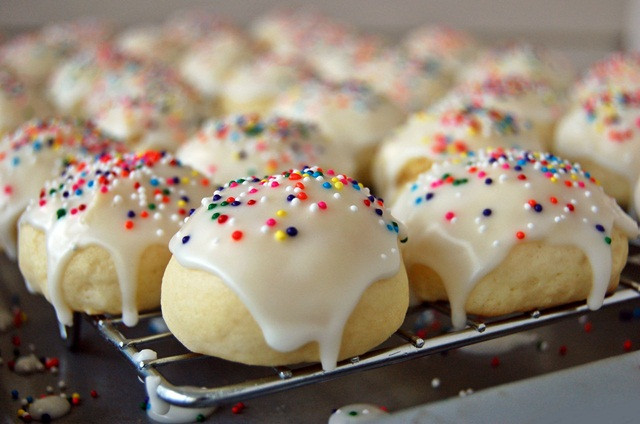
x: 627, y: 345
x: 222, y: 219
x: 128, y: 225
x: 563, y: 350
x: 93, y: 394
x: 449, y: 216
x: 495, y: 362
x: 236, y: 235
x: 520, y: 235
x: 588, y: 327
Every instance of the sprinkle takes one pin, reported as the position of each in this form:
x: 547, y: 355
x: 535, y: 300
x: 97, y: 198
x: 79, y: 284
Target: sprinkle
x: 486, y: 212
x: 280, y: 235
x: 236, y: 235
x: 520, y: 235
x: 449, y: 216
x: 322, y: 205
x: 292, y: 231
x: 281, y: 213
x: 128, y: 224
x: 185, y: 239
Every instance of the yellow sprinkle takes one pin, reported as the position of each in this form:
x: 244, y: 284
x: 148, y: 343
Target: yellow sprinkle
x: 182, y: 203
x: 281, y: 213
x: 21, y: 412
x: 338, y: 185
x: 280, y: 235
x: 194, y: 173
x: 334, y: 179
x: 472, y: 131
x: 574, y: 177
x: 185, y: 180
x: 360, y: 185
x: 553, y: 179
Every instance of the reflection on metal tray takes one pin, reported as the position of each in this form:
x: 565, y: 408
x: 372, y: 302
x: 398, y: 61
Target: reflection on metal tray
x: 258, y: 381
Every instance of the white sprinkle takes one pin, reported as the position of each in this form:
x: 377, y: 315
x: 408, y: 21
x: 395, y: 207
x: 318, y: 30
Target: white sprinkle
x: 134, y: 196
x: 394, y: 250
x: 585, y: 220
x: 527, y: 206
x: 527, y: 185
x: 157, y: 216
x: 204, y: 201
x: 336, y: 195
x: 216, y: 240
x: 435, y: 382
x: 458, y: 195
x: 159, y: 232
x: 264, y: 229
x: 557, y: 219
x: 502, y: 178
x: 530, y: 225
x: 594, y: 209
x: 174, y: 217
x: 454, y: 220
x: 263, y: 199
x: 161, y: 206
x: 297, y: 189
x: 495, y: 243
x: 482, y: 229
x: 313, y: 207
x: 295, y: 202
x: 288, y: 189
x: 587, y: 193
x: 353, y: 208
x: 117, y: 199
x: 383, y: 256
x: 477, y: 220
x: 381, y: 222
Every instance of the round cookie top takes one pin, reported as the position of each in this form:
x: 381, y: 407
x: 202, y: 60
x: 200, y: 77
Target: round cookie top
x: 240, y: 145
x: 356, y: 115
x: 477, y: 208
x: 519, y: 94
x: 316, y: 239
x: 604, y: 129
x: 619, y: 71
x: 39, y: 150
x: 121, y: 202
x: 30, y: 56
x: 525, y: 59
x: 439, y: 134
x: 411, y: 82
x: 17, y: 102
x: 451, y: 45
x: 144, y: 104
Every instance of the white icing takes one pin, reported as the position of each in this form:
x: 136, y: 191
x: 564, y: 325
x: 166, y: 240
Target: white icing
x: 206, y: 64
x: 55, y: 406
x: 604, y: 129
x: 438, y: 134
x: 34, y: 153
x: 250, y: 145
x: 464, y: 255
x: 502, y: 344
x: 93, y: 218
x: 28, y: 364
x: 356, y: 413
x: 325, y: 266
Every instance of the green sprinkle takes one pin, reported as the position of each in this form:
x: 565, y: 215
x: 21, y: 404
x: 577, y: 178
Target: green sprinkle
x: 225, y: 203
x: 212, y: 206
x: 607, y: 240
x: 152, y: 206
x: 61, y: 212
x: 215, y: 215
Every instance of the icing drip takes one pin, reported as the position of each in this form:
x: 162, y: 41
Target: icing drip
x: 319, y: 239
x: 159, y: 410
x: 37, y: 151
x: 475, y: 211
x: 121, y: 203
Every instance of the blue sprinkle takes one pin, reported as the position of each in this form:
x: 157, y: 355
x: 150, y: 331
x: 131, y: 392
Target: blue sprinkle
x: 326, y: 185
x: 418, y: 200
x: 191, y: 211
x: 217, y: 197
x: 292, y: 231
x: 487, y: 212
x: 537, y: 207
x: 379, y: 212
x: 185, y: 239
x: 236, y: 203
x: 78, y: 192
x: 290, y: 197
x: 488, y: 181
x: 154, y: 182
x: 15, y: 161
x: 90, y: 183
x: 429, y: 196
x: 131, y: 214
x: 414, y: 187
x: 600, y: 228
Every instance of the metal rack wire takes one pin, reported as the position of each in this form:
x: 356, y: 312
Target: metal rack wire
x: 405, y: 345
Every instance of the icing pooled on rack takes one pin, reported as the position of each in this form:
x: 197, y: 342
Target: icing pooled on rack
x: 251, y: 145
x: 39, y: 150
x: 122, y: 203
x: 477, y: 210
x: 298, y: 249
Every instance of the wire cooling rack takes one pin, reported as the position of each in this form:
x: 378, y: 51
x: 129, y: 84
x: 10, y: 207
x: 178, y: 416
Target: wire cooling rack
x: 404, y: 345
